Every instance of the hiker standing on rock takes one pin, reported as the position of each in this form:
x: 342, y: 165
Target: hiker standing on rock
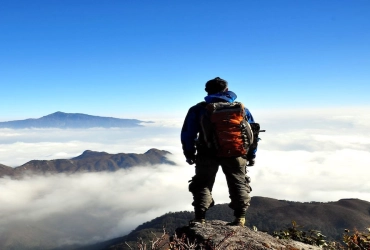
x: 220, y: 132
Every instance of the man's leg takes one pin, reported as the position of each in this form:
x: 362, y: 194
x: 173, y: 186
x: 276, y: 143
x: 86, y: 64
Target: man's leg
x: 239, y: 188
x: 201, y: 185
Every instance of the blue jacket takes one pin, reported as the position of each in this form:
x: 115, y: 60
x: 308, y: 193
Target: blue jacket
x: 192, y: 126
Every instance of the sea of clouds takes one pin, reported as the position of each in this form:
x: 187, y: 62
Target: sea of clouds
x: 305, y: 155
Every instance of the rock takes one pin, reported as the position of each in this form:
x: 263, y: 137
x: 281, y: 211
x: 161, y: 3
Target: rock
x: 217, y: 234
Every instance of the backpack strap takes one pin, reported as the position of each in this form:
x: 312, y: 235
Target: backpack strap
x: 203, y: 104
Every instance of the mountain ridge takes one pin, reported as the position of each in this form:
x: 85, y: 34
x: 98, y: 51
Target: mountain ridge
x: 71, y: 120
x: 88, y: 161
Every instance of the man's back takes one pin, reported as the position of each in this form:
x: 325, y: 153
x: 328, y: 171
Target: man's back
x: 201, y: 141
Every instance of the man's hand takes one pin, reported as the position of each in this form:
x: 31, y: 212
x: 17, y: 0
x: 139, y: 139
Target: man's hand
x: 190, y: 161
x: 251, y: 162
x: 190, y: 157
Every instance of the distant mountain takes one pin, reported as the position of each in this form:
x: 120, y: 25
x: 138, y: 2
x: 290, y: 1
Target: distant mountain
x: 89, y: 161
x: 71, y: 120
x: 268, y: 215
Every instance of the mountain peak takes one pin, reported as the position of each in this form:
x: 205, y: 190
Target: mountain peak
x: 156, y: 151
x: 57, y: 113
x: 90, y: 153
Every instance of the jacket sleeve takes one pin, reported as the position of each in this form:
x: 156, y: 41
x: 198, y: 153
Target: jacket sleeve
x: 249, y: 116
x: 253, y: 149
x: 189, y: 131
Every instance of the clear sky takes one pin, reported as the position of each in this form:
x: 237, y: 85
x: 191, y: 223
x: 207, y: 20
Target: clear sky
x: 150, y: 59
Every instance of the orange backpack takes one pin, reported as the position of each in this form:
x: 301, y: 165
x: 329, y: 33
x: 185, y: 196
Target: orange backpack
x: 226, y: 130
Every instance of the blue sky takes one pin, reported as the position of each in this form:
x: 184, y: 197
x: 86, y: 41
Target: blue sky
x: 152, y: 58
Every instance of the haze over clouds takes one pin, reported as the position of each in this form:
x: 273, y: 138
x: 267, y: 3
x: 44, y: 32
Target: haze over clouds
x: 306, y: 155
x: 20, y: 146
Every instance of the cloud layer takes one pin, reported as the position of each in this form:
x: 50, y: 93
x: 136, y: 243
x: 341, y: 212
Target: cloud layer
x: 319, y: 155
x: 96, y: 206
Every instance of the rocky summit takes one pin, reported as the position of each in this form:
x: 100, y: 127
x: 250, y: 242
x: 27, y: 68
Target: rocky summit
x: 216, y: 234
x: 213, y: 235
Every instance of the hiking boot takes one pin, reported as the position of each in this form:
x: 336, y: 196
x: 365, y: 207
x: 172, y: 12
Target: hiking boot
x: 200, y: 217
x: 194, y: 221
x: 238, y: 222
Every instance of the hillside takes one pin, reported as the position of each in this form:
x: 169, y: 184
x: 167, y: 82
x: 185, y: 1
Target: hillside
x: 71, y: 120
x: 267, y: 215
x: 88, y: 161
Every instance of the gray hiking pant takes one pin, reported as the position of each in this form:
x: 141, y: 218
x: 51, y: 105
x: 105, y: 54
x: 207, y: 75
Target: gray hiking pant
x: 234, y: 169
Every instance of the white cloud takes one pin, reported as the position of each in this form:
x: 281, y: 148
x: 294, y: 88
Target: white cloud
x: 312, y: 155
x: 312, y: 176
x: 108, y: 204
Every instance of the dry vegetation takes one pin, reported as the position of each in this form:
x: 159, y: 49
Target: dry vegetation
x: 355, y: 240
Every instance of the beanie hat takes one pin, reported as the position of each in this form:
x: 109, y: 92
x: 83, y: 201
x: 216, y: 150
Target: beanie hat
x: 215, y: 85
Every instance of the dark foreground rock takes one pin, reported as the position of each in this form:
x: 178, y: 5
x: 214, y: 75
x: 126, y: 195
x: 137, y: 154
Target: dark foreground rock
x: 217, y: 234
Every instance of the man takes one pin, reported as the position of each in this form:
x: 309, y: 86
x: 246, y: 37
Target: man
x: 207, y: 164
